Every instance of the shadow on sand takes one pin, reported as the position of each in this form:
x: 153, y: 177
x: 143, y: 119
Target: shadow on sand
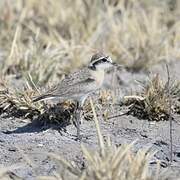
x: 37, y: 126
x: 54, y: 118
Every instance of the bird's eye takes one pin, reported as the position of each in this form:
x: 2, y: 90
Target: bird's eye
x: 104, y: 60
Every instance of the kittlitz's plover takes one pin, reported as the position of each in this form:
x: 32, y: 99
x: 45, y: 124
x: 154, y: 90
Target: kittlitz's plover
x: 78, y: 85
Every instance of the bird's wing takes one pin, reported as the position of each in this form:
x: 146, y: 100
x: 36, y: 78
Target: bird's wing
x: 76, y: 77
x: 86, y: 86
x: 75, y: 83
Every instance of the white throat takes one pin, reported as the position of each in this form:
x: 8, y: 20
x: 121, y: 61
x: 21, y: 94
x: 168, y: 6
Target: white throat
x: 98, y: 75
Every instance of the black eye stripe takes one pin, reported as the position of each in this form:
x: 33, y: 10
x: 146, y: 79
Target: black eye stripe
x: 100, y: 61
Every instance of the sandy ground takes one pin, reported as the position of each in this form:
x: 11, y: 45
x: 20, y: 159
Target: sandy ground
x: 25, y: 143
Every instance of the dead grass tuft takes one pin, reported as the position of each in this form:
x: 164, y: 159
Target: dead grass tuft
x: 109, y: 162
x: 155, y: 100
x: 116, y: 163
x: 19, y: 104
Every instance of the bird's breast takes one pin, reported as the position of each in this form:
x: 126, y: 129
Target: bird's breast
x: 98, y: 77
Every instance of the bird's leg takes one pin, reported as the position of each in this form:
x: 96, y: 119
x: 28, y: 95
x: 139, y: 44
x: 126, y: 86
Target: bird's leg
x: 78, y: 113
x: 78, y: 124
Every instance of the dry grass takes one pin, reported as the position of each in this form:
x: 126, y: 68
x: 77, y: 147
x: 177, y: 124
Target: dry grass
x: 13, y: 100
x: 116, y: 163
x: 156, y: 100
x: 109, y: 162
x: 19, y: 104
x: 44, y: 39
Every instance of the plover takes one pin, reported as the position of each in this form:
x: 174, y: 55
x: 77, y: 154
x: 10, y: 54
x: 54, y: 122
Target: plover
x: 78, y: 85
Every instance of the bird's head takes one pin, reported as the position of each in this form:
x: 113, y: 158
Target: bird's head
x: 100, y: 62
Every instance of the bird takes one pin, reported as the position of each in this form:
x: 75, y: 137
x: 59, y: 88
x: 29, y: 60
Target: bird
x: 78, y: 85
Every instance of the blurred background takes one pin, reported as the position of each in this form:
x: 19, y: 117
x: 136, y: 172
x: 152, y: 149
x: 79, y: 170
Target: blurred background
x: 49, y: 38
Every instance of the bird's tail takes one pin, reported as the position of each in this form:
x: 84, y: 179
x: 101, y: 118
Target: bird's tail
x: 43, y: 97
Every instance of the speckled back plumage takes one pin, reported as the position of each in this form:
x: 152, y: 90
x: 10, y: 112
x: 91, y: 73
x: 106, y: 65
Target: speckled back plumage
x: 74, y: 86
x: 75, y: 83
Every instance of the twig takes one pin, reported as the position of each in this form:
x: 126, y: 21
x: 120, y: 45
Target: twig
x: 33, y: 85
x: 170, y: 114
x: 134, y: 97
x: 118, y: 115
x: 100, y: 137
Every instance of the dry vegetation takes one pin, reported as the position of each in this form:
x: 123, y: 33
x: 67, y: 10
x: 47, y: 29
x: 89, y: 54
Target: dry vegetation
x: 115, y: 163
x: 156, y: 100
x: 43, y: 40
x: 109, y: 162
